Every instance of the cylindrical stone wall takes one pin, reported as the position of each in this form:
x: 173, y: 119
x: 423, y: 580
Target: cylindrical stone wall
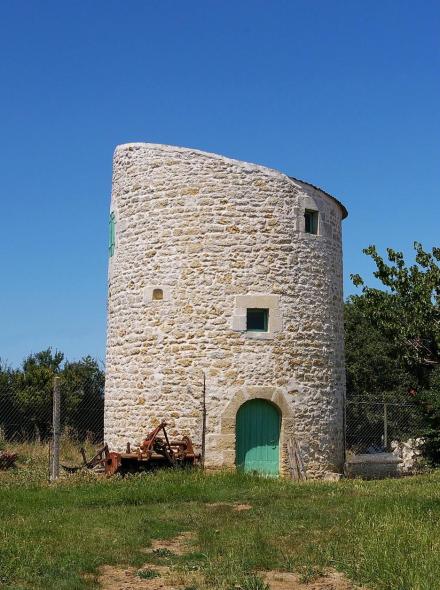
x: 199, y: 239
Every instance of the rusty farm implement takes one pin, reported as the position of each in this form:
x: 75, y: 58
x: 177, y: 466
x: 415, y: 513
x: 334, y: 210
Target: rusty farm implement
x: 156, y: 451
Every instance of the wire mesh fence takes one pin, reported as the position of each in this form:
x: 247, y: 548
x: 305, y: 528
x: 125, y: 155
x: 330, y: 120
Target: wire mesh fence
x: 26, y: 418
x: 26, y: 413
x: 378, y: 427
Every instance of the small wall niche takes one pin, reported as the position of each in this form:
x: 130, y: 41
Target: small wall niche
x: 156, y: 293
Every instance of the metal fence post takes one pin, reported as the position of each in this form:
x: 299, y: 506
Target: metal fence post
x: 56, y: 418
x: 385, y: 427
x: 204, y: 420
x: 344, y: 426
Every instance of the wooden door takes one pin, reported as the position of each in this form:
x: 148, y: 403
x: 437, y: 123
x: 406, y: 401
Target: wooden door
x: 258, y: 437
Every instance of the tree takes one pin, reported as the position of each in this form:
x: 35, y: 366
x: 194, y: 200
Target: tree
x: 32, y: 389
x: 26, y: 395
x: 428, y: 399
x: 404, y: 321
x: 8, y: 405
x: 408, y: 311
x: 375, y: 375
x: 82, y: 389
x: 374, y: 368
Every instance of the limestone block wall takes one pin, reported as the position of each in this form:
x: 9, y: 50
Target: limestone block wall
x: 216, y: 235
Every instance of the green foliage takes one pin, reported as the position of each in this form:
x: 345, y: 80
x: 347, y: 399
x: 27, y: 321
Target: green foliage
x: 26, y: 394
x: 148, y: 574
x: 375, y: 374
x: 82, y: 390
x: 309, y: 573
x: 162, y: 552
x: 428, y: 400
x: 32, y: 389
x: 374, y: 368
x: 254, y: 582
x: 393, y: 338
x: 408, y: 312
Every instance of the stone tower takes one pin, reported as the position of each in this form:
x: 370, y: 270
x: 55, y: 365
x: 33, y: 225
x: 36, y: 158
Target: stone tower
x: 225, y: 292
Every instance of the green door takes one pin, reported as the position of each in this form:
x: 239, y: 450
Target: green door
x: 258, y: 437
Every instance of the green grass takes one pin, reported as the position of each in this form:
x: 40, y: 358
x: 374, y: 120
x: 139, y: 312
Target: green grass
x: 148, y: 574
x: 383, y: 534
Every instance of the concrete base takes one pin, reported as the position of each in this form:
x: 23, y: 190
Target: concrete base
x: 377, y: 466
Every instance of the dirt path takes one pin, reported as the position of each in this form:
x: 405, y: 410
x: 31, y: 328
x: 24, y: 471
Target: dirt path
x: 114, y: 578
x: 287, y: 581
x: 160, y: 577
x: 176, y: 546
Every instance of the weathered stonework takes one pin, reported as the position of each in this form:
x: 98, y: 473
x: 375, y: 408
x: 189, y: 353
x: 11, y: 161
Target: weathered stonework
x: 216, y: 234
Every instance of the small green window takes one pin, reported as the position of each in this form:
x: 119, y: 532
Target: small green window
x: 257, y: 320
x: 111, y: 234
x: 311, y: 221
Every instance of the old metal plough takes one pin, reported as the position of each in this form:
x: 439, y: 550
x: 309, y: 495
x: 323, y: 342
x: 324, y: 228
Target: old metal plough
x: 154, y: 452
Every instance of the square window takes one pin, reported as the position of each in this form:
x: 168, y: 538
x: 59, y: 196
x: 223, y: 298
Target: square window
x: 257, y: 320
x: 311, y: 221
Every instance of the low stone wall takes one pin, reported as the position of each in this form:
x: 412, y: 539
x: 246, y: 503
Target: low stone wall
x: 411, y: 454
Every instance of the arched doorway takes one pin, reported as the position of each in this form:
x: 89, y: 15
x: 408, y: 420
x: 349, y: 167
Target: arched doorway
x: 257, y: 435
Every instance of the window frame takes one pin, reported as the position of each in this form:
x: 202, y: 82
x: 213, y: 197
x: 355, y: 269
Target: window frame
x: 112, y: 234
x: 311, y: 215
x: 268, y: 301
x: 265, y: 312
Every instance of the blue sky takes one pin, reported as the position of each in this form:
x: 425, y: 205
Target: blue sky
x: 342, y: 94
